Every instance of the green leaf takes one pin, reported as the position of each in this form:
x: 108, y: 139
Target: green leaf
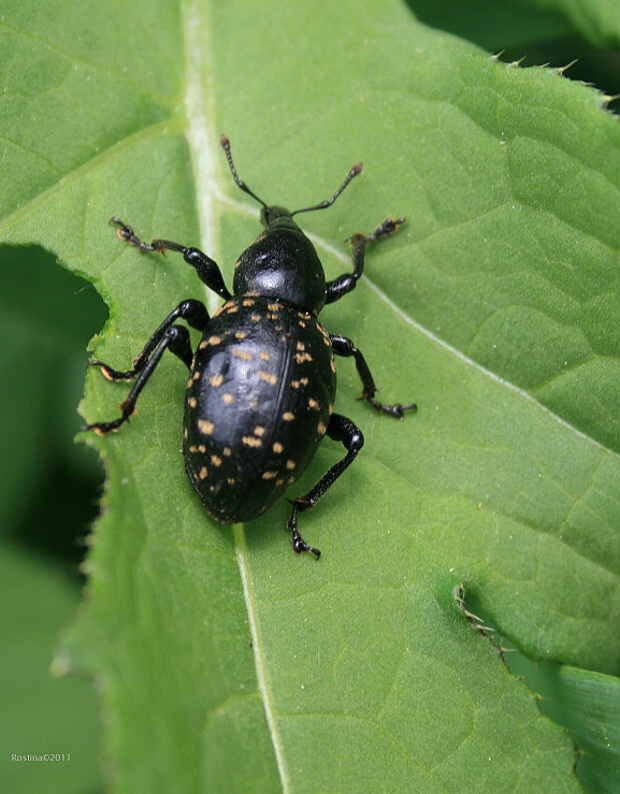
x: 596, y: 20
x: 44, y: 317
x: 510, y: 25
x: 41, y: 715
x: 588, y: 704
x: 223, y: 661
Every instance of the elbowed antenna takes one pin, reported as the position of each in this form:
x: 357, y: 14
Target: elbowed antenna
x: 225, y: 143
x: 354, y: 171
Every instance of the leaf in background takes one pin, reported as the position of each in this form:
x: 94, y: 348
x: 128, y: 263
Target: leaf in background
x: 588, y: 704
x: 597, y: 20
x: 46, y: 318
x: 224, y: 661
x: 497, y: 27
x: 41, y: 714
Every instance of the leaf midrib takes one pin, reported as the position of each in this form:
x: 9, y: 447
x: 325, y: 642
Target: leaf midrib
x: 201, y: 134
x: 201, y: 138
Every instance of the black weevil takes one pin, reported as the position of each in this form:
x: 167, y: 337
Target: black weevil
x: 262, y: 380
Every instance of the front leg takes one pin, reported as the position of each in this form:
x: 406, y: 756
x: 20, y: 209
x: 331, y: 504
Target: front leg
x: 206, y: 268
x: 342, y: 346
x: 346, y: 282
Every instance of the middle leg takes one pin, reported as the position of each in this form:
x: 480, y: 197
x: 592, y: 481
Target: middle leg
x: 343, y: 346
x: 176, y: 339
x: 192, y: 311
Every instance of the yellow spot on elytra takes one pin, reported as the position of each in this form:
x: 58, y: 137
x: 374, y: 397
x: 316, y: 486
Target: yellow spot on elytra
x: 288, y: 416
x: 269, y: 475
x: 264, y: 355
x: 259, y: 430
x: 205, y: 427
x: 268, y: 377
x: 228, y: 398
x: 227, y: 308
x: 227, y: 452
x: 212, y: 340
x: 290, y: 464
x: 216, y: 380
x: 192, y: 402
x: 252, y: 441
x: 321, y: 428
x: 302, y: 358
x: 216, y: 460
x: 277, y: 447
x: 313, y: 404
x: 203, y: 473
x: 242, y: 354
x: 240, y: 335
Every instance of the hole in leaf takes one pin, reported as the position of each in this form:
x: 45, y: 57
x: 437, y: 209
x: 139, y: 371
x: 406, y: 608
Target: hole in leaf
x: 50, y: 486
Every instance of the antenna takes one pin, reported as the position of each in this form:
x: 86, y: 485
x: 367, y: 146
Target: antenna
x: 354, y: 171
x: 225, y: 143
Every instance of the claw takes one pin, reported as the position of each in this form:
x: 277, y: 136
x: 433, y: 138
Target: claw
x: 397, y: 410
